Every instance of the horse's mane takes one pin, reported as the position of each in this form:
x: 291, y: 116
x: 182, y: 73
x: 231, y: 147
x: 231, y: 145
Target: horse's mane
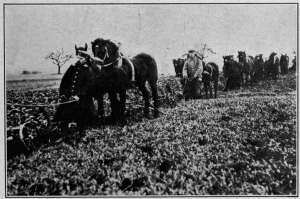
x: 213, y: 64
x: 228, y: 57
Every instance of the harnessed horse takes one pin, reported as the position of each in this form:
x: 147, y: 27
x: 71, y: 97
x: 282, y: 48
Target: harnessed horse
x: 117, y: 75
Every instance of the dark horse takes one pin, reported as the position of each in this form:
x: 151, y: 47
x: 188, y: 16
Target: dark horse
x: 232, y: 72
x: 119, y: 74
x: 210, y: 75
x: 272, y: 66
x: 258, y: 67
x: 178, y: 66
x: 247, y: 67
x: 284, y: 64
x: 76, y: 82
x: 294, y: 65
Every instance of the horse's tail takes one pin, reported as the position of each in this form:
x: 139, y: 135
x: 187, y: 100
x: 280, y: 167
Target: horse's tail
x: 146, y: 69
x: 151, y: 66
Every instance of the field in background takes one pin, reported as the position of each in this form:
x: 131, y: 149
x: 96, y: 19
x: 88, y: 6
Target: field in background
x: 32, y: 82
x: 243, y: 142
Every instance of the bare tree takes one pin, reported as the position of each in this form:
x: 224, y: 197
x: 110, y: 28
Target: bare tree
x: 59, y: 58
x: 204, y: 50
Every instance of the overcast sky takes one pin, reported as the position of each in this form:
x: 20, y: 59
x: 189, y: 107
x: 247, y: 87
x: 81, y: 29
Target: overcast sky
x: 164, y: 31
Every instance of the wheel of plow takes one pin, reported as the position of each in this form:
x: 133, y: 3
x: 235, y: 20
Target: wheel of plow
x: 27, y: 134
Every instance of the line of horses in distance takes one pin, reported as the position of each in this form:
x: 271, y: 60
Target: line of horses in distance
x: 246, y: 70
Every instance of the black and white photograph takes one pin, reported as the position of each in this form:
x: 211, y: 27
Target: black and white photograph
x: 150, y: 99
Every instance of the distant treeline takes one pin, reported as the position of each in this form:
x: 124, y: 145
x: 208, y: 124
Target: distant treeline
x: 26, y: 72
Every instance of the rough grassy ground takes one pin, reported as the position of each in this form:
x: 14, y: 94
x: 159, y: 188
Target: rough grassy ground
x: 242, y: 143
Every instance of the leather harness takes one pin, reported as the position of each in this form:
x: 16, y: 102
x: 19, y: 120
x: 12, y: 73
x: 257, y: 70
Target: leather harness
x: 99, y: 62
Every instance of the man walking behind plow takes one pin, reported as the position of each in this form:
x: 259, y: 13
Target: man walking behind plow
x: 192, y: 75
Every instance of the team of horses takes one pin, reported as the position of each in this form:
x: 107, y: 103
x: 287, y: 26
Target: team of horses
x: 107, y: 71
x: 246, y: 69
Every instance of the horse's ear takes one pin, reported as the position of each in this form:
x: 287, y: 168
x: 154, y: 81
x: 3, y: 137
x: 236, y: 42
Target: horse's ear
x: 85, y: 46
x: 75, y: 47
x: 119, y: 44
x: 184, y: 55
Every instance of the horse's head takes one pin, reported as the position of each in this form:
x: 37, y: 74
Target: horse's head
x: 227, y: 58
x: 105, y: 50
x: 272, y: 55
x: 284, y: 57
x: 259, y: 57
x: 178, y: 65
x: 241, y: 56
x: 81, y: 52
x: 273, y: 58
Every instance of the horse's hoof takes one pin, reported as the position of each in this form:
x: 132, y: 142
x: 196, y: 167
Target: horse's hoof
x: 156, y: 114
x: 122, y: 122
x: 147, y: 115
x: 81, y: 134
x: 101, y: 120
x: 110, y: 120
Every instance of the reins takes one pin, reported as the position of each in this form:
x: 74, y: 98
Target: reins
x: 43, y: 105
x: 106, y: 65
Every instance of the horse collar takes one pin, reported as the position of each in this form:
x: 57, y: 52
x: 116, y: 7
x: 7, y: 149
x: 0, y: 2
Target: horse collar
x: 119, y: 60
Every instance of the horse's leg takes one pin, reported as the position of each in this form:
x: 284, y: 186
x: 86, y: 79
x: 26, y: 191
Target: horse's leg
x: 100, y: 107
x: 114, y: 105
x: 122, y: 104
x: 153, y: 87
x: 226, y: 85
x: 85, y: 115
x: 216, y: 87
x: 210, y: 89
x: 143, y: 89
x: 233, y: 83
x: 206, y: 89
x: 249, y: 78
